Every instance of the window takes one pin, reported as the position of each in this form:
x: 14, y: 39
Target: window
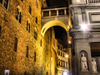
x: 66, y: 64
x: 18, y: 16
x: 30, y: 9
x: 36, y: 4
x: 36, y: 20
x: 5, y: 3
x: 58, y: 52
x: 95, y: 49
x: 27, y: 51
x: 53, y: 13
x: 67, y: 11
x: 58, y: 47
x: 58, y: 62
x: 46, y: 13
x: 28, y: 27
x: 15, y: 44
x: 35, y: 35
x: 35, y: 56
x: 63, y: 64
x: 0, y: 30
x: 41, y: 43
x: 61, y: 53
x: 61, y: 12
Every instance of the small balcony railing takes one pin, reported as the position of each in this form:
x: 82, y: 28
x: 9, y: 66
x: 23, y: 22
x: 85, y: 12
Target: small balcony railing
x: 93, y: 1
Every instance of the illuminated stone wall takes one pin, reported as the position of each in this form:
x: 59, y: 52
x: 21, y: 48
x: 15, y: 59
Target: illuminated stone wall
x: 17, y: 61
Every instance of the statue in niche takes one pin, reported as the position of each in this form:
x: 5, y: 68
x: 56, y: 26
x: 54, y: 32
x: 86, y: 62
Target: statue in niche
x: 84, y: 63
x: 94, y: 65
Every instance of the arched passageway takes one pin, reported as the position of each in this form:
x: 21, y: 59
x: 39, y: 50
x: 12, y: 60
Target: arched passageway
x: 51, y: 24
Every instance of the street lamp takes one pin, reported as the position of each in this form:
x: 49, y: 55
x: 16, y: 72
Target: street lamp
x: 65, y: 73
x: 84, y: 27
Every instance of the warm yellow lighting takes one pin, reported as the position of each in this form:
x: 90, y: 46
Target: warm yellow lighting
x: 66, y: 56
x: 69, y: 42
x: 51, y: 58
x: 51, y: 24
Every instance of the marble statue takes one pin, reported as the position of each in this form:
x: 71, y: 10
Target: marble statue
x: 84, y: 63
x: 94, y: 65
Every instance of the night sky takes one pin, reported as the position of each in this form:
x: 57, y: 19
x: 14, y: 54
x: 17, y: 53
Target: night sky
x: 56, y: 3
x: 61, y: 35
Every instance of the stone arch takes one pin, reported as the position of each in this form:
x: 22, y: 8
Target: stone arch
x: 51, y: 24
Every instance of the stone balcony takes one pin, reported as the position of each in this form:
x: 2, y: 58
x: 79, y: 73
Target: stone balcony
x: 93, y: 1
x: 85, y: 1
x: 52, y: 12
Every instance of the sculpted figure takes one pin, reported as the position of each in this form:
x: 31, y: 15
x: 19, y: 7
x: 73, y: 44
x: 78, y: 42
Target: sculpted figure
x: 84, y: 63
x: 94, y: 65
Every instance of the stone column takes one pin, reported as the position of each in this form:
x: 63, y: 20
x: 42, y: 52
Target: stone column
x: 57, y: 13
x: 49, y: 13
x: 42, y: 13
x: 65, y: 11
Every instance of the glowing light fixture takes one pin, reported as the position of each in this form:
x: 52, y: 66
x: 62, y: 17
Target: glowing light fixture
x: 69, y: 42
x: 84, y: 27
x: 66, y: 56
x: 65, y: 73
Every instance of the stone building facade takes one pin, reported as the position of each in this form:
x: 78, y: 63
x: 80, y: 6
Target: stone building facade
x: 23, y: 49
x: 62, y: 60
x: 85, y: 37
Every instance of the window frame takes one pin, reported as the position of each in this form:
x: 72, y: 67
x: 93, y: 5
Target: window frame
x: 27, y: 51
x: 15, y: 44
x: 19, y: 16
x: 28, y: 27
x: 5, y: 3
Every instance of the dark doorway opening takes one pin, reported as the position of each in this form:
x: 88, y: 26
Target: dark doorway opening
x: 95, y: 49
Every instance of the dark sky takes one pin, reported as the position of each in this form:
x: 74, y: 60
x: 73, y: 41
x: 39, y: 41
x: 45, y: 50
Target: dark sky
x: 56, y: 3
x: 61, y: 34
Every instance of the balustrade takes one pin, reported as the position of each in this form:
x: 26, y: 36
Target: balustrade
x: 93, y: 1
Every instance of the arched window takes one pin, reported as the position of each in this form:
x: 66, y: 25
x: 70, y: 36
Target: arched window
x: 28, y: 27
x: 5, y: 3
x: 18, y: 16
